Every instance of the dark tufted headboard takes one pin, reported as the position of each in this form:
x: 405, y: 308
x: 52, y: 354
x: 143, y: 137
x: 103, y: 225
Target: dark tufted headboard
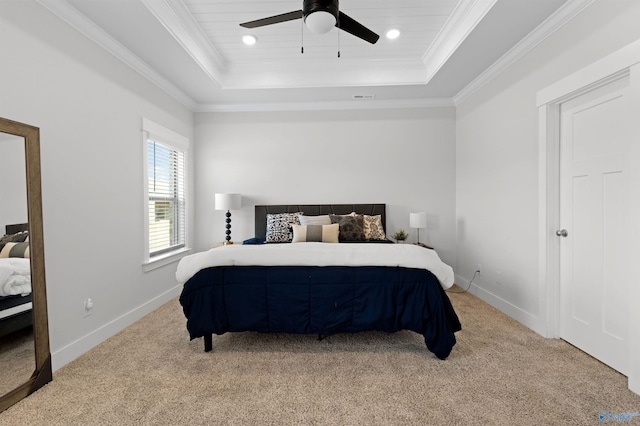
x: 14, y: 229
x: 315, y: 210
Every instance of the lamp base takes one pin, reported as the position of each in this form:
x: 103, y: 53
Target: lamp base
x: 228, y: 231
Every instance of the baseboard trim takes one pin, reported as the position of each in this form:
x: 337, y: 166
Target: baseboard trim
x: 523, y: 317
x: 73, y: 350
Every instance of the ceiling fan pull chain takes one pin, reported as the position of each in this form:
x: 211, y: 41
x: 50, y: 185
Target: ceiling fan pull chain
x: 339, y: 39
x: 302, y: 37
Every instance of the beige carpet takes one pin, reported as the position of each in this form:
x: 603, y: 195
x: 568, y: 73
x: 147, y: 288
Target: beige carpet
x: 17, y: 359
x: 499, y: 373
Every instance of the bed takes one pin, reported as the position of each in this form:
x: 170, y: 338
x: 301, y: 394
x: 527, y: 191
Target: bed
x: 304, y: 274
x: 15, y: 280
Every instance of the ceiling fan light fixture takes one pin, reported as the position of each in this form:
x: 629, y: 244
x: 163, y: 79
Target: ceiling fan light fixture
x: 320, y: 22
x: 249, y: 39
x: 393, y: 34
x: 320, y: 16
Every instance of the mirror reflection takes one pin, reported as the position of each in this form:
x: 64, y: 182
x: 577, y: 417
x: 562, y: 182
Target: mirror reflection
x: 17, y: 350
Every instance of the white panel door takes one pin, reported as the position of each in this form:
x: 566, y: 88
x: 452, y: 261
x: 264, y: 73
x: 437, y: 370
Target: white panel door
x: 594, y: 148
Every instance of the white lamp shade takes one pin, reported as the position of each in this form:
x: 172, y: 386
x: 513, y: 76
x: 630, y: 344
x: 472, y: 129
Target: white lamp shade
x: 320, y: 22
x: 418, y: 220
x: 228, y: 201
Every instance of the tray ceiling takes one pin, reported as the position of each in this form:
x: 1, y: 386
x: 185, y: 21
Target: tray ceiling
x: 193, y: 49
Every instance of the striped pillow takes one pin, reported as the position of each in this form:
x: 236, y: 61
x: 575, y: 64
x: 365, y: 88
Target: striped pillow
x: 315, y: 233
x: 15, y: 250
x: 14, y: 238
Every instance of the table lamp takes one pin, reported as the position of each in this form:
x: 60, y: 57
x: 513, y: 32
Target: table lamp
x: 228, y: 202
x: 418, y: 220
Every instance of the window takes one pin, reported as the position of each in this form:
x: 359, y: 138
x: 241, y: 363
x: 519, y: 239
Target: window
x: 165, y: 188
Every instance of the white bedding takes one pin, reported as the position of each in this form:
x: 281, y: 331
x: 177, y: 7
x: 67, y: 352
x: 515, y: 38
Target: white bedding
x: 15, y: 276
x: 318, y: 254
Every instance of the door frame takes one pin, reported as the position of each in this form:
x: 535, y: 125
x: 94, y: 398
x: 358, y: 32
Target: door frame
x: 620, y: 64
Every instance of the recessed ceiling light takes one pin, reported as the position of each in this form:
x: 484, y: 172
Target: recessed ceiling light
x: 249, y: 40
x: 393, y: 34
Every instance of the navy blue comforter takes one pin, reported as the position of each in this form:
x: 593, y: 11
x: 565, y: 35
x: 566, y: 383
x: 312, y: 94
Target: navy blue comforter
x: 320, y: 300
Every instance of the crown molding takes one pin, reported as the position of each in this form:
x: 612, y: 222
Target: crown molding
x: 63, y: 10
x: 176, y: 19
x: 465, y: 17
x: 566, y: 13
x: 329, y: 105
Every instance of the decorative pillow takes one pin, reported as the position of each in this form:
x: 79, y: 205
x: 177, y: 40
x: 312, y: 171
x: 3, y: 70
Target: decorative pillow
x: 373, y: 229
x: 315, y: 220
x: 279, y: 227
x: 14, y: 238
x: 351, y: 227
x: 316, y: 233
x: 15, y: 250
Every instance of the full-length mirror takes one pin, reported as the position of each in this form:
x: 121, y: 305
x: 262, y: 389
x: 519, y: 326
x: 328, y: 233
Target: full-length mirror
x: 24, y: 336
x: 17, y: 349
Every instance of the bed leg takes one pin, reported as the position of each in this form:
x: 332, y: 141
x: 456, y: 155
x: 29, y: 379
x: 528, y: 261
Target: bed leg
x: 320, y: 337
x: 208, y: 342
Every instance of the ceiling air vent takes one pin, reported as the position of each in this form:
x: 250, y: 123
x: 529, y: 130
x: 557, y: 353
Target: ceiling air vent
x: 364, y: 97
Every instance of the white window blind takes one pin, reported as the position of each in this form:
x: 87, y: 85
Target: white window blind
x: 166, y: 193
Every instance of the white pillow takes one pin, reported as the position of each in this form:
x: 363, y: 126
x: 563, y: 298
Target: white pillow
x: 315, y: 220
x: 316, y: 233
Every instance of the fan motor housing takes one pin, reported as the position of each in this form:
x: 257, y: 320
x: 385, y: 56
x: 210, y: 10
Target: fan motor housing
x: 310, y: 6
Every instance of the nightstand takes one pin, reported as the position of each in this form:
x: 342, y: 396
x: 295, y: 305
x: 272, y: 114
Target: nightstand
x: 216, y: 245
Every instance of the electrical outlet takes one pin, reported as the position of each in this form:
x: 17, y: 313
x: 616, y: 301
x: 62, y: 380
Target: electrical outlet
x: 479, y: 269
x: 88, y: 307
x: 498, y: 278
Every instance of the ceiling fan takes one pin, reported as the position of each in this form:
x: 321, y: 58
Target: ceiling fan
x: 320, y: 16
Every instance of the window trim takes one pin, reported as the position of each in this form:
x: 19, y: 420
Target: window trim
x: 159, y: 133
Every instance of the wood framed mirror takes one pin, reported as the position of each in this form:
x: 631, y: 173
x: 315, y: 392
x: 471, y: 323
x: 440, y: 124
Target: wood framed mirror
x: 17, y: 138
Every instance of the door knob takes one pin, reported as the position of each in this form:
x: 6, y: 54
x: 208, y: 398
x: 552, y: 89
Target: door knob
x: 562, y: 233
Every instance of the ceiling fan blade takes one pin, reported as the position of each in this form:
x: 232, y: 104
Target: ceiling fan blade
x: 273, y: 19
x: 357, y: 29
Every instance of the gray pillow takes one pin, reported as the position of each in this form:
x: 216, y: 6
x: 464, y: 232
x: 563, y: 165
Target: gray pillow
x: 351, y: 227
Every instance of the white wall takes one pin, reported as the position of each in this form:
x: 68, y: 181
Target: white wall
x: 89, y: 107
x: 404, y: 158
x: 497, y: 160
